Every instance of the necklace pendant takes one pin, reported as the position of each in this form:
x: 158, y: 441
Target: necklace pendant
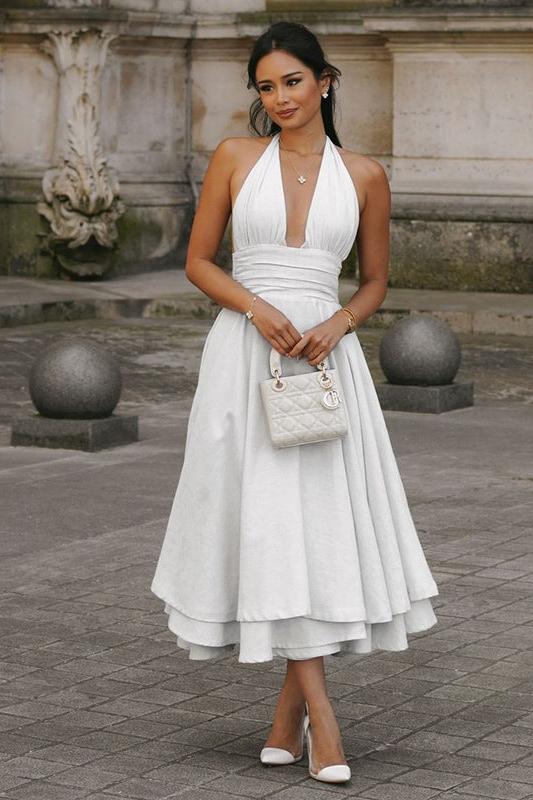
x: 301, y: 179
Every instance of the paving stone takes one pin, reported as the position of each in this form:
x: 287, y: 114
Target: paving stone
x: 106, y: 687
x: 393, y: 791
x: 242, y: 786
x: 34, y: 710
x: 57, y: 730
x: 401, y: 718
x: 492, y: 787
x: 157, y: 697
x: 162, y: 752
x: 376, y: 732
x: 493, y: 715
x: 88, y: 776
x: 433, y: 779
x: 512, y: 734
x: 454, y: 691
x: 292, y: 793
x: 43, y: 790
x: 11, y: 722
x: 484, y: 680
x: 401, y: 755
x: 495, y: 751
x: 144, y: 789
x: 104, y: 740
x: 437, y: 742
x: 8, y: 782
x: 141, y: 727
x: 16, y: 744
x: 521, y: 773
x: 461, y: 727
x: 206, y: 794
x: 67, y: 754
x: 141, y: 677
x: 512, y: 700
x: 463, y: 766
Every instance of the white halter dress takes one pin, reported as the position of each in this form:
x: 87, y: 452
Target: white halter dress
x: 307, y: 550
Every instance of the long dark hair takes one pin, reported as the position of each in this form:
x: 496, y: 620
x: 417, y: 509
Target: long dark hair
x: 299, y: 41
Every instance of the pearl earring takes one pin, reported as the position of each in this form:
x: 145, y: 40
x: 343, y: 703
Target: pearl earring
x: 324, y: 95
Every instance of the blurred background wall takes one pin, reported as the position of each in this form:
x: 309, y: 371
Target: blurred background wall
x: 110, y: 110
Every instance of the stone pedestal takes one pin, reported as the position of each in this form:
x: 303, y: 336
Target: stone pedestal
x: 75, y: 434
x: 425, y: 399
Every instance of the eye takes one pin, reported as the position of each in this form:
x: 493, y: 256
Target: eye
x: 289, y: 82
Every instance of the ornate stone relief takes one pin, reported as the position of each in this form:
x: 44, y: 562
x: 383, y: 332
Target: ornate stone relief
x: 82, y: 192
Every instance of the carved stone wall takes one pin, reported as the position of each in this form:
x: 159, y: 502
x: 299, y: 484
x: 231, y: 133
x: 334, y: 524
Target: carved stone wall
x: 438, y: 92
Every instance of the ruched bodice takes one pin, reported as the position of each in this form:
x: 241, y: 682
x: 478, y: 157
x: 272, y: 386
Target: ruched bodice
x: 263, y: 262
x: 259, y: 213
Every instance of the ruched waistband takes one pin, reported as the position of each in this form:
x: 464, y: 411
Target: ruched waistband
x: 306, y: 271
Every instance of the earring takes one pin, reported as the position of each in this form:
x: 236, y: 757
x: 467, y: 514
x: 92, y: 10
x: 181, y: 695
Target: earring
x: 324, y: 95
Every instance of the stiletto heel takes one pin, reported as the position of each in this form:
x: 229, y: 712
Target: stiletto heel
x: 334, y: 773
x: 276, y: 756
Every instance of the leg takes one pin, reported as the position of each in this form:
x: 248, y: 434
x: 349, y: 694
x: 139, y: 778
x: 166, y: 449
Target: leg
x: 327, y: 743
x: 288, y: 717
x: 305, y: 680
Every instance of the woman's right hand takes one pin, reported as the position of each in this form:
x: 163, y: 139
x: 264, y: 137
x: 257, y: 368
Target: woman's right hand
x: 276, y: 328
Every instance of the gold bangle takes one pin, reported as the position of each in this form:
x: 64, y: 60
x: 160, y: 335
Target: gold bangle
x: 350, y: 323
x: 352, y: 319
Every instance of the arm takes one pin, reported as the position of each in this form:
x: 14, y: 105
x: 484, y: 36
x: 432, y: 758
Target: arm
x: 209, y: 224
x: 372, y: 245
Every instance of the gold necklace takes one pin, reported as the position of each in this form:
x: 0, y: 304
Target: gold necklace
x: 301, y: 178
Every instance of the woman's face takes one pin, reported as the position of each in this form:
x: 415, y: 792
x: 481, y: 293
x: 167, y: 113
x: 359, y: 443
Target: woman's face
x: 284, y: 83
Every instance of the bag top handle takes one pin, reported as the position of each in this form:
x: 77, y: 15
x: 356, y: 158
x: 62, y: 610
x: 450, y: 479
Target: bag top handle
x: 275, y: 362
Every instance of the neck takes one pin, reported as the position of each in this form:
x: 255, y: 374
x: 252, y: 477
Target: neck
x: 302, y: 142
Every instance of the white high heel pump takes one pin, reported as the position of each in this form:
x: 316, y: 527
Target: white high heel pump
x: 334, y: 773
x: 276, y: 756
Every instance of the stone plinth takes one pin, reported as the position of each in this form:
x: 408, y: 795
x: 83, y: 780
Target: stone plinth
x: 425, y: 399
x: 75, y: 434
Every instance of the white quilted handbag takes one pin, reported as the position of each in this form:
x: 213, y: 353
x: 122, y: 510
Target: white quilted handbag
x: 303, y: 408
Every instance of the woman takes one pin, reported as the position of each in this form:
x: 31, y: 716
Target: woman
x: 309, y: 550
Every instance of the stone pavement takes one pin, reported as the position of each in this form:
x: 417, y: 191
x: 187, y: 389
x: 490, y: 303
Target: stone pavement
x: 170, y: 292
x: 97, y: 702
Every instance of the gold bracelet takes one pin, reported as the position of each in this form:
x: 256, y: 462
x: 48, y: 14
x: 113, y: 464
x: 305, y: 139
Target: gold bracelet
x: 352, y: 319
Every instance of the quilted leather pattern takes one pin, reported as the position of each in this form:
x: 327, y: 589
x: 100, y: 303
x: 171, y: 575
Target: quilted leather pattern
x: 296, y: 414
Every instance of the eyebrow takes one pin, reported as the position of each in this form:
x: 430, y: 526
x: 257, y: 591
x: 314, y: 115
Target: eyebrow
x: 288, y: 75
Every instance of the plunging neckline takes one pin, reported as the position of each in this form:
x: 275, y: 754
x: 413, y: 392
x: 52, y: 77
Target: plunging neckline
x: 313, y: 196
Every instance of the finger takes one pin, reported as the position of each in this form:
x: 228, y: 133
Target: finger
x: 280, y: 346
x: 294, y: 340
x: 296, y: 335
x: 317, y: 357
x: 298, y: 348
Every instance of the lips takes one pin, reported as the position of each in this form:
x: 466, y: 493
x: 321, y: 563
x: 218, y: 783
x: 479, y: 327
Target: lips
x: 287, y: 112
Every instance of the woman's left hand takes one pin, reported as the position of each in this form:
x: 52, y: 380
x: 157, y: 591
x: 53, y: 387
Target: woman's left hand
x: 317, y: 342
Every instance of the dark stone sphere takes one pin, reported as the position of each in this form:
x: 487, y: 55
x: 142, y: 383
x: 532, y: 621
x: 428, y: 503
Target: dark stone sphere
x: 420, y: 350
x: 75, y: 379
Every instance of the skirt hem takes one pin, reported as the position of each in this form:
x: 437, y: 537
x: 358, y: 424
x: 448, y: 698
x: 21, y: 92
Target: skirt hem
x: 298, y: 637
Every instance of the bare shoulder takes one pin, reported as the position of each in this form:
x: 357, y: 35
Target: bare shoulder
x: 368, y: 174
x: 240, y: 147
x: 239, y: 154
